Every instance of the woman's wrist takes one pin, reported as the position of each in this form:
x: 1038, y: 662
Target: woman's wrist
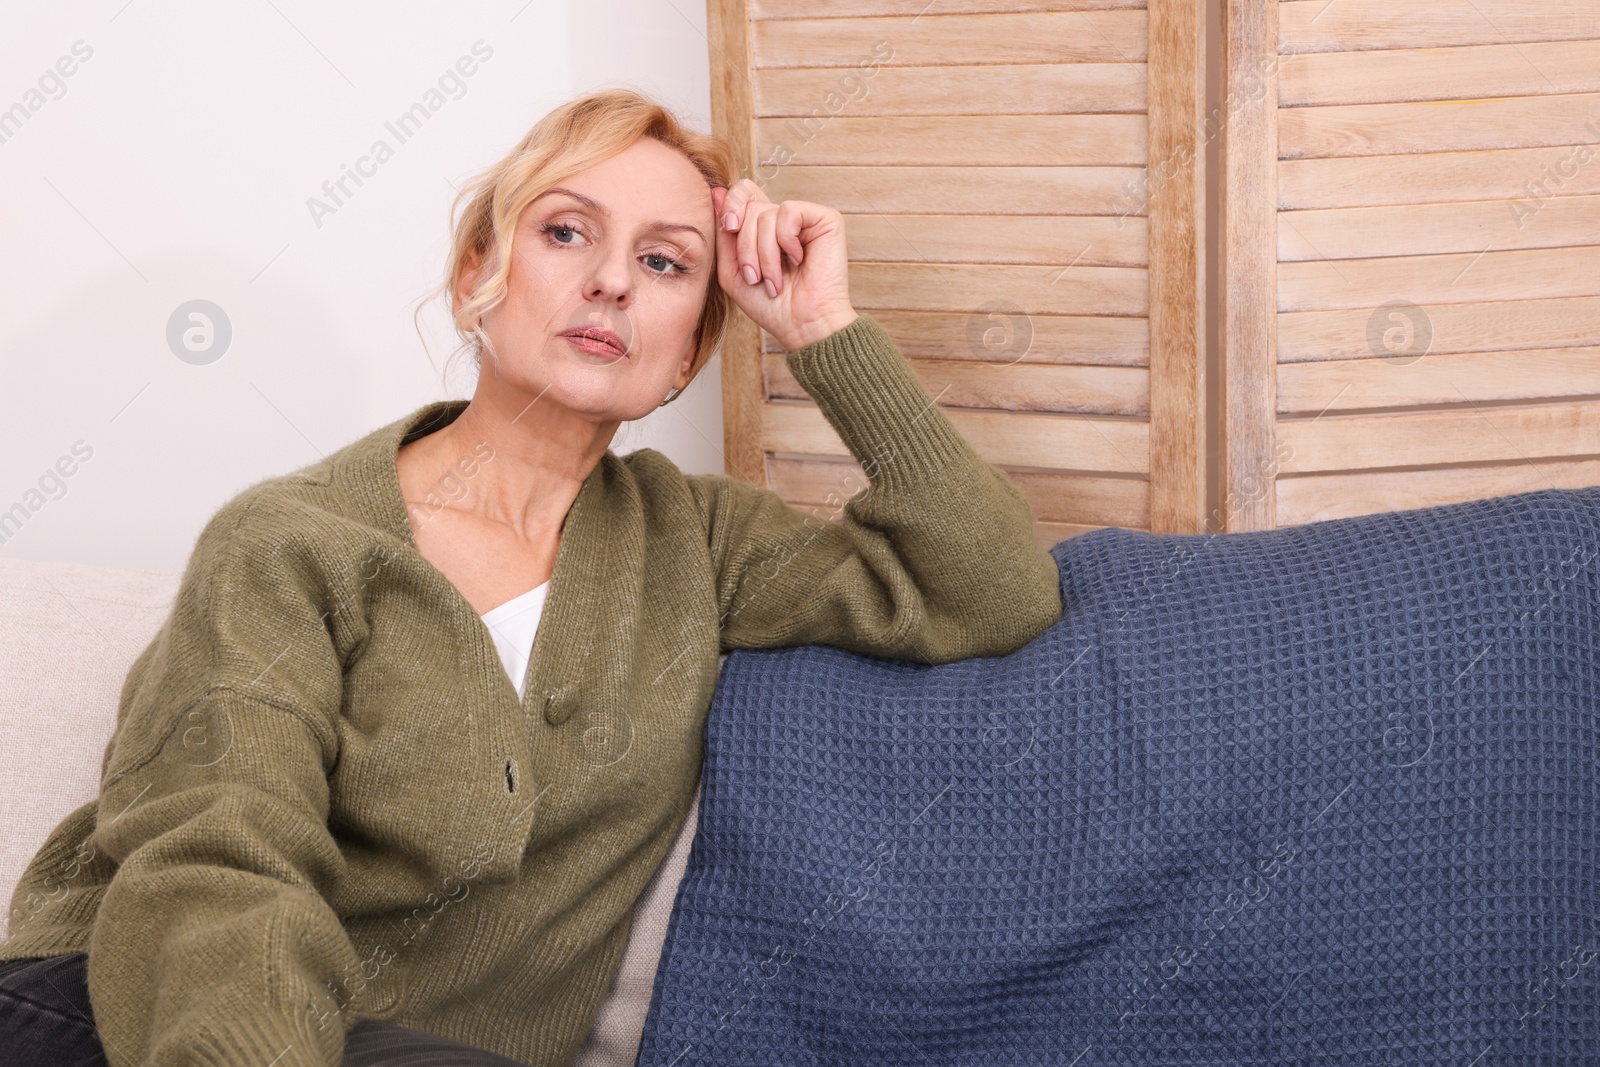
x: 819, y: 328
x: 873, y: 399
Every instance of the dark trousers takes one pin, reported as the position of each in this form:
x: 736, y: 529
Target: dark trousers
x: 45, y: 1021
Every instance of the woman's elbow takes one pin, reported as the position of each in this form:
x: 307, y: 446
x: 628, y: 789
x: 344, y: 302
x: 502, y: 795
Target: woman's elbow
x: 1009, y: 617
x: 1026, y: 608
x: 1050, y: 608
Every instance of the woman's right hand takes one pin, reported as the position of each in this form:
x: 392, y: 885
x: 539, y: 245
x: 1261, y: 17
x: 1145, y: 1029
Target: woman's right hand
x: 798, y: 302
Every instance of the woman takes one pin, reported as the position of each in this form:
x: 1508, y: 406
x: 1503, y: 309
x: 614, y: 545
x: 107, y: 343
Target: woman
x: 343, y: 788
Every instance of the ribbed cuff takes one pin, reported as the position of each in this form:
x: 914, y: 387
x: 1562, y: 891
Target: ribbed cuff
x: 876, y: 404
x: 254, y: 1037
x: 58, y: 939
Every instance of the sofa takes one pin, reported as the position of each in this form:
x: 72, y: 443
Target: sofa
x: 68, y: 634
x: 1321, y: 794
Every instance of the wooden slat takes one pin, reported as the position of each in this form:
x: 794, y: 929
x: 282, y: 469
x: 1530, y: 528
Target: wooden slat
x: 1006, y: 336
x: 1049, y: 534
x: 1513, y: 325
x: 1344, y: 25
x: 1532, y: 174
x: 1315, y: 498
x: 1041, y: 239
x: 1049, y: 37
x: 1076, y: 290
x: 1015, y: 387
x: 730, y: 116
x: 817, y: 484
x: 1002, y: 89
x: 961, y: 190
x: 829, y: 506
x: 1099, y: 443
x: 821, y: 9
x: 1439, y: 126
x: 1481, y: 435
x: 1032, y: 140
x: 1054, y: 496
x: 1177, y: 211
x: 1045, y: 534
x: 1436, y: 229
x: 1249, y: 268
x: 1533, y: 69
x: 1526, y: 274
x: 1473, y: 377
x: 1084, y: 498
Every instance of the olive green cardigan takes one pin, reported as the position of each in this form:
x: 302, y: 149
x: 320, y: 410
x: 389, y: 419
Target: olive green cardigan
x: 323, y: 800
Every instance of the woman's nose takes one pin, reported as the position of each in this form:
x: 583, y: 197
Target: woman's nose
x: 611, y: 279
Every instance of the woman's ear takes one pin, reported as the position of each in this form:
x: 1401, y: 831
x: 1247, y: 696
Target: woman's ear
x: 681, y: 382
x: 472, y: 262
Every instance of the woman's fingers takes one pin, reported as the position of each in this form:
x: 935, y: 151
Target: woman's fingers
x: 755, y: 244
x: 789, y: 216
x: 746, y: 211
x: 815, y: 300
x: 749, y: 260
x: 728, y: 259
x: 740, y: 194
x: 769, y: 256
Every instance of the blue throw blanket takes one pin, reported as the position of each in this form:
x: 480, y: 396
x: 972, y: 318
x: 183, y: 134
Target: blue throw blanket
x: 1322, y: 794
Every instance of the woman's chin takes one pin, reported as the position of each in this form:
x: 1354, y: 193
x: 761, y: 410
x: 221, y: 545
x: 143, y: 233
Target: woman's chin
x: 597, y: 397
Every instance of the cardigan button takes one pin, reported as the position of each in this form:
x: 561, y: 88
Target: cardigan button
x: 559, y: 705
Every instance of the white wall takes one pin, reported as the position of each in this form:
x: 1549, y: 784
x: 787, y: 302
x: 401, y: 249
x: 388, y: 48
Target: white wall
x: 175, y: 164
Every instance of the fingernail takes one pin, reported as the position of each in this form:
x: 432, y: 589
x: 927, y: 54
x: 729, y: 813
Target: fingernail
x: 772, y: 290
x: 730, y: 221
x: 750, y: 275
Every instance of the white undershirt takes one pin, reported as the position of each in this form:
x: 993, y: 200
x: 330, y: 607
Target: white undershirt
x: 512, y: 625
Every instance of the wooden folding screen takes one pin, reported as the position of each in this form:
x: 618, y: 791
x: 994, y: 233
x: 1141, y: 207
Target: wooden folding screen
x: 1409, y: 263
x: 1023, y: 192
x: 1411, y: 253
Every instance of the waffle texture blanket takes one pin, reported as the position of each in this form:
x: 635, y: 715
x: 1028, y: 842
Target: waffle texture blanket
x: 1325, y: 794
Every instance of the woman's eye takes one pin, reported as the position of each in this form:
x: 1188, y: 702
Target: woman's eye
x: 657, y: 263
x: 554, y: 228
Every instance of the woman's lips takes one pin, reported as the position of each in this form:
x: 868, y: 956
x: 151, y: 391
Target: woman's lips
x: 596, y: 342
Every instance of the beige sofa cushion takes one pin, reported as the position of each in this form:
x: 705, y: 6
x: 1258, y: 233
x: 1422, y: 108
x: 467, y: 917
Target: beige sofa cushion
x: 68, y: 634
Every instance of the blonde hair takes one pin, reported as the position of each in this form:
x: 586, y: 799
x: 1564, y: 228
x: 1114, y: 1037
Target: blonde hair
x: 580, y: 133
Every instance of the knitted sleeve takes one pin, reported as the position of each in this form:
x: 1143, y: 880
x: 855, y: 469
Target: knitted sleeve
x: 214, y: 943
x: 934, y: 560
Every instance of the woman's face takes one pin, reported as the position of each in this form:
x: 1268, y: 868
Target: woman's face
x: 625, y: 246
